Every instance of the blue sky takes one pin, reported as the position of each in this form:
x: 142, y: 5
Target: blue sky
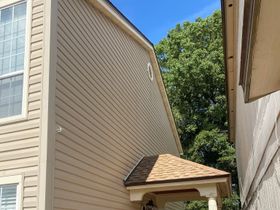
x: 156, y: 17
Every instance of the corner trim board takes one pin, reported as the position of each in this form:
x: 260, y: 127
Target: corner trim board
x: 48, y: 129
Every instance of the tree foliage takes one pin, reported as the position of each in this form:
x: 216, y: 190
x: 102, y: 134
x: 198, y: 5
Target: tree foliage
x: 192, y: 63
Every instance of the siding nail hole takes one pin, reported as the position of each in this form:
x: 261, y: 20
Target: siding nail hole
x: 230, y: 5
x: 230, y: 57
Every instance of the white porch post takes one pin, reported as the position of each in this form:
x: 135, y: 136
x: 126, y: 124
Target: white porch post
x: 210, y: 191
x: 212, y: 203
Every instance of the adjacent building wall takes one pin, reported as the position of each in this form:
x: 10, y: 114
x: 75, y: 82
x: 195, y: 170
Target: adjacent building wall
x: 267, y: 194
x: 257, y: 140
x: 110, y: 112
x: 20, y: 141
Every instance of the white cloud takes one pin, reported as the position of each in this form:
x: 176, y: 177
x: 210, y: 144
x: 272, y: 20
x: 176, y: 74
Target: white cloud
x: 205, y: 11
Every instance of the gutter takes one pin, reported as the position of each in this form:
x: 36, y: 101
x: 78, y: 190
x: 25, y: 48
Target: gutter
x: 230, y: 91
x: 225, y: 62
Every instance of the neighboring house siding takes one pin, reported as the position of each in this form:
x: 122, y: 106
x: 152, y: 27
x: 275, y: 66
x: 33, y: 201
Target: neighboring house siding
x: 20, y: 141
x: 257, y: 143
x: 110, y: 112
x: 267, y: 194
x: 257, y: 139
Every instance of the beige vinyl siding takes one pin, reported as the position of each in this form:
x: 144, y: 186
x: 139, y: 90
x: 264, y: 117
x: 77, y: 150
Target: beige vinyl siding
x: 255, y: 142
x: 110, y: 112
x: 19, y: 141
x: 175, y: 206
x: 267, y: 195
x: 265, y: 189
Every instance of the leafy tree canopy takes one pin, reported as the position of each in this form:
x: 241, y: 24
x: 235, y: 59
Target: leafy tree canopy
x: 191, y: 58
x: 192, y: 63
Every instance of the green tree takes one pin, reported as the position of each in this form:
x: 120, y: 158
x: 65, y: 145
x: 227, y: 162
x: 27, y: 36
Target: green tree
x: 192, y: 63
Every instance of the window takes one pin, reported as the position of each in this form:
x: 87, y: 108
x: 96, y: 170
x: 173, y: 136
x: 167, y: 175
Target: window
x: 8, y: 197
x: 10, y: 193
x: 12, y: 57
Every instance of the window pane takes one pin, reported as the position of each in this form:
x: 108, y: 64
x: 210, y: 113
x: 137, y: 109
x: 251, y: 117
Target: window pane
x: 7, y: 48
x: 5, y: 65
x: 20, y: 11
x: 1, y: 49
x: 7, y: 31
x: 8, y: 197
x: 17, y: 62
x: 16, y: 95
x: 4, y: 97
x: 12, y: 38
x: 12, y: 53
x: 11, y: 96
x: 6, y: 15
x: 19, y: 28
x: 18, y: 45
x: 2, y: 32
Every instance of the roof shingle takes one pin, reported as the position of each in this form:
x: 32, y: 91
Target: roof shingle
x: 168, y: 168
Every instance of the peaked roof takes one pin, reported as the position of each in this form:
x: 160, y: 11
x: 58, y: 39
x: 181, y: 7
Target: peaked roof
x: 168, y: 168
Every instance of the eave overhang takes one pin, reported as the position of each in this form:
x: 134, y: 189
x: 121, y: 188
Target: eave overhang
x: 257, y: 66
x: 206, y: 188
x: 228, y: 18
x: 168, y: 174
x: 260, y: 63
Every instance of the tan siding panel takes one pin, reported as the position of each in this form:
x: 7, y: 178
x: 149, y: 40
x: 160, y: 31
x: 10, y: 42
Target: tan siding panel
x: 175, y: 206
x: 110, y: 112
x: 19, y: 141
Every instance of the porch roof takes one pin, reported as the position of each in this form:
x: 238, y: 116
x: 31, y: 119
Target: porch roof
x: 167, y: 178
x: 167, y: 168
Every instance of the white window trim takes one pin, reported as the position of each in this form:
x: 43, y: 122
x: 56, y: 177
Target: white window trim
x: 15, y: 180
x: 4, y: 3
x: 23, y: 115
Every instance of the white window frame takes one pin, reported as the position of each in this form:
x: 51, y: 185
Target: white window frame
x: 15, y: 180
x: 23, y: 115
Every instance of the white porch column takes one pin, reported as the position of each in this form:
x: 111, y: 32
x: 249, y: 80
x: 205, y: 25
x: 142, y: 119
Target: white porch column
x: 212, y: 203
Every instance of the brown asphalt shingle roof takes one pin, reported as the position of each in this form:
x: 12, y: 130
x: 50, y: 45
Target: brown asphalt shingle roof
x: 168, y: 168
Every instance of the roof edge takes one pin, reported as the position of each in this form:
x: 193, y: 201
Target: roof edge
x: 117, y: 17
x: 225, y: 60
x: 230, y: 91
x: 179, y: 180
x: 110, y: 11
x: 130, y: 23
x: 134, y: 167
